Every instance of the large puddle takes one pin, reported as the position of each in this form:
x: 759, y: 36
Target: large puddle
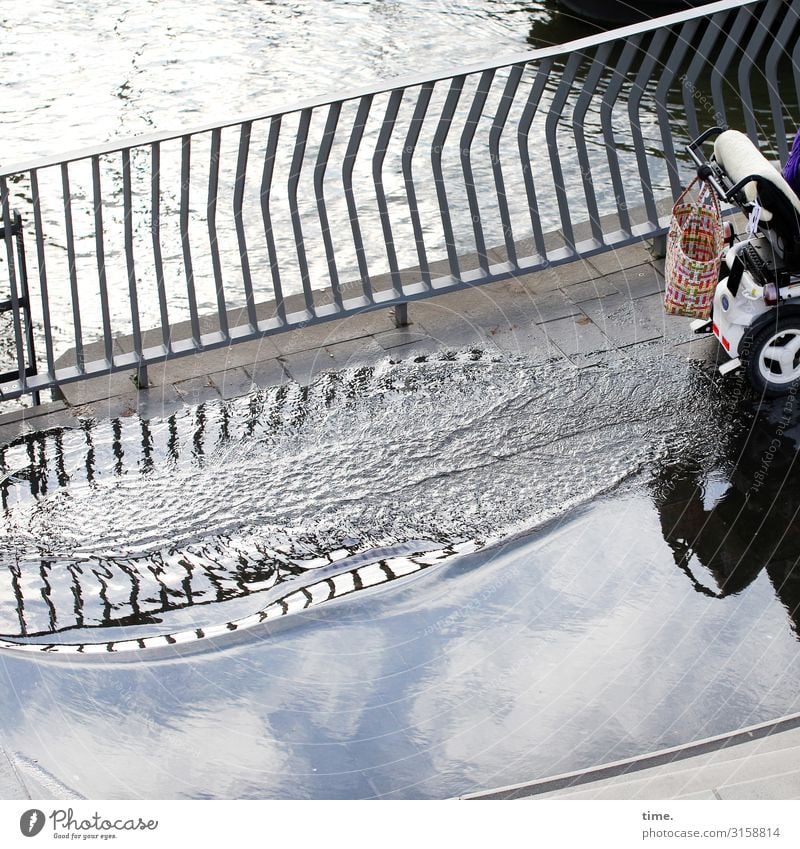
x: 419, y: 579
x: 304, y: 495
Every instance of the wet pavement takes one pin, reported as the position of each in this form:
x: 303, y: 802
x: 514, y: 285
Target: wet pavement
x: 531, y: 533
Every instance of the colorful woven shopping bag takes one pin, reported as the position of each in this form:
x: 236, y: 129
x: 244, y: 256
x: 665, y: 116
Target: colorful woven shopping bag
x: 694, y: 252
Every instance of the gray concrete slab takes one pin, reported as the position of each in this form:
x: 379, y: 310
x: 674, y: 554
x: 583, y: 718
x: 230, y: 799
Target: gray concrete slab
x: 96, y: 389
x: 760, y: 762
x: 591, y: 289
x: 551, y: 306
x: 267, y: 373
x: 624, y: 321
x: 196, y: 390
x: 577, y: 337
x: 232, y: 382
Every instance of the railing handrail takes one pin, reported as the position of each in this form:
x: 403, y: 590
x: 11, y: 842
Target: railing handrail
x: 381, y: 87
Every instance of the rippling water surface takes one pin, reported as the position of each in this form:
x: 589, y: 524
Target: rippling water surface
x: 78, y: 74
x: 406, y: 459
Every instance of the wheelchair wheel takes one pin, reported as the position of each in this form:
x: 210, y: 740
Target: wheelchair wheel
x: 773, y: 358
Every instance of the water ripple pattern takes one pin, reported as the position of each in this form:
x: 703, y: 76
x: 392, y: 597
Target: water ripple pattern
x: 373, y: 473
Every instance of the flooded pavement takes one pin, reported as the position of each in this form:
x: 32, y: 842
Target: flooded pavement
x: 446, y: 573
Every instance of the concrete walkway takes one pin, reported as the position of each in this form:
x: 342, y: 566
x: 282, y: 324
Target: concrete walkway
x: 760, y: 762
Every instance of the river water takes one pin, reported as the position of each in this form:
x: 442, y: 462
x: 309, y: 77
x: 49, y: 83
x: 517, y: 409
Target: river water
x: 77, y: 74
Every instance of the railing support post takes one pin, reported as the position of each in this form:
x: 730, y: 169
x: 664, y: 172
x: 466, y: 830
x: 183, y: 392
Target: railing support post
x: 141, y: 379
x: 658, y: 247
x: 401, y: 314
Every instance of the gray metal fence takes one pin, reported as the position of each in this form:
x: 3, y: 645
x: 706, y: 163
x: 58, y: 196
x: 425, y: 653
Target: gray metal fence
x: 170, y: 244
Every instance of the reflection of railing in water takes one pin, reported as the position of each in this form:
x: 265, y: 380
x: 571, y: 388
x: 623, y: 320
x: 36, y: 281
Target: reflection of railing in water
x: 50, y: 594
x: 183, y: 437
x: 127, y: 591
x: 343, y: 583
x: 252, y: 228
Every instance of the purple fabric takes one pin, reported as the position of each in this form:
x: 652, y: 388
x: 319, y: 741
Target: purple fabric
x: 791, y: 171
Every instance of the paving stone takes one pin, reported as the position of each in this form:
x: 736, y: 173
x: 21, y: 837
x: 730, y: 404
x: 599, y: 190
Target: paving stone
x: 401, y: 336
x: 356, y: 352
x: 705, y: 347
x: 590, y: 290
x: 267, y: 373
x: 625, y: 321
x: 304, y: 366
x: 157, y: 402
x: 619, y: 259
x: 457, y: 333
x: 551, y: 306
x: 673, y: 328
x: 197, y: 389
x: 576, y: 337
x: 339, y: 330
x: 424, y: 347
x: 232, y: 383
x: 518, y: 334
x: 637, y: 282
x: 32, y: 412
x: 82, y: 392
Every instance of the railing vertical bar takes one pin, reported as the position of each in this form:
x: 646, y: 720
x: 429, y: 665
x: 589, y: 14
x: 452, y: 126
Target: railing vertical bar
x: 12, y: 281
x: 747, y: 62
x: 266, y: 191
x: 41, y: 262
x: 683, y: 39
x: 213, y: 241
x: 551, y: 134
x: 238, y: 217
x: 412, y: 136
x: 381, y: 147
x: 696, y: 66
x: 588, y: 91
x: 722, y: 61
x: 320, y: 167
x: 613, y: 88
x: 186, y: 248
x: 99, y: 241
x: 796, y: 70
x: 362, y: 114
x: 498, y: 125
x: 643, y: 77
x: 523, y: 133
x: 771, y: 75
x: 155, y: 228
x: 437, y: 146
x: 297, y: 225
x: 127, y: 202
x: 73, y: 270
x: 467, y: 137
x: 24, y: 291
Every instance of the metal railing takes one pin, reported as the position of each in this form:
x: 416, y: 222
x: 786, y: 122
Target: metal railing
x: 165, y: 245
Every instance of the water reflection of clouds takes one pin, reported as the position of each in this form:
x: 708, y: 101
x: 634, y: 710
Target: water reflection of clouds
x: 593, y: 651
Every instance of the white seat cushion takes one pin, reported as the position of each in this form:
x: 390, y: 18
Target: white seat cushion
x: 740, y: 158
